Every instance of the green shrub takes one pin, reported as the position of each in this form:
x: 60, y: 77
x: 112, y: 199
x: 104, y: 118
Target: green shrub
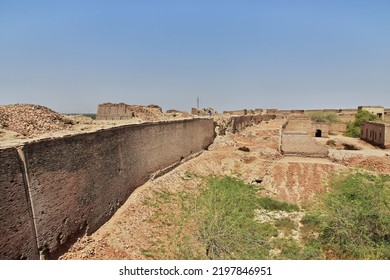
x: 227, y: 226
x: 324, y: 117
x: 357, y: 217
x: 353, y: 128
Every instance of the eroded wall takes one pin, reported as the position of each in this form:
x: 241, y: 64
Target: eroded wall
x: 17, y: 239
x: 239, y: 123
x: 301, y: 144
x: 77, y: 182
x: 109, y: 111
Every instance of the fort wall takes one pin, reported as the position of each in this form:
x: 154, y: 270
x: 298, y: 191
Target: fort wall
x: 239, y: 123
x: 299, y: 124
x: 237, y: 112
x: 76, y: 183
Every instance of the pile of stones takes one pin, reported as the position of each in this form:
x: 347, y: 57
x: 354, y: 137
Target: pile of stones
x: 30, y: 120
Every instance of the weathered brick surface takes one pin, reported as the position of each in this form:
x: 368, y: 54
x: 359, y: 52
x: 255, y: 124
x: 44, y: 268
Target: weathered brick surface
x: 78, y: 182
x: 301, y: 144
x: 299, y: 124
x: 16, y: 227
x: 376, y: 133
x: 239, y: 123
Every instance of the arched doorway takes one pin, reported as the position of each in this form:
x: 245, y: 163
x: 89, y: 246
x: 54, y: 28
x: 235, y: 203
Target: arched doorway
x: 318, y: 133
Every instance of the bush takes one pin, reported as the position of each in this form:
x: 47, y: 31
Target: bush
x: 274, y: 205
x: 353, y: 128
x: 227, y: 226
x: 357, y: 217
x: 324, y: 117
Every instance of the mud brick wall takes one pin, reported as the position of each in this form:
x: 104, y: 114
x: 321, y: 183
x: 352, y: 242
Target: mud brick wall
x: 76, y: 183
x: 299, y: 124
x: 237, y: 112
x: 301, y: 144
x: 375, y: 133
x: 324, y: 127
x: 239, y: 123
x: 17, y: 239
x: 108, y: 111
x: 337, y: 128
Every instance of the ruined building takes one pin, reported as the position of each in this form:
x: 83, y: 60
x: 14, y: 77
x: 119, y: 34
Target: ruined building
x: 376, y: 133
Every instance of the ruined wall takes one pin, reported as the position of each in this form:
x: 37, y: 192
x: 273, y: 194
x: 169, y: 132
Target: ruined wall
x: 323, y: 127
x: 239, y: 123
x: 271, y: 111
x: 337, y: 128
x: 17, y: 238
x: 301, y: 144
x: 237, y: 112
x: 387, y: 113
x: 258, y: 111
x: 387, y: 136
x: 77, y: 182
x: 108, y: 111
x: 299, y: 124
x: 376, y: 133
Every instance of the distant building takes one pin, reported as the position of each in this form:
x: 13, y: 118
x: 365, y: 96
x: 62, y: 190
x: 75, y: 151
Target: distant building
x: 302, y: 123
x: 375, y: 110
x: 376, y: 133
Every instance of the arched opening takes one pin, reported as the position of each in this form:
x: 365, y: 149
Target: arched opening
x: 318, y: 133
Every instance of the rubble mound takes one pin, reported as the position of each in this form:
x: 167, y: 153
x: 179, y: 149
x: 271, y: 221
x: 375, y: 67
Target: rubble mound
x: 30, y: 120
x: 147, y: 113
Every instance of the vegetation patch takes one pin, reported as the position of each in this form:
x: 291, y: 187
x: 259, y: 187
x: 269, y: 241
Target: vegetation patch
x: 228, y: 219
x: 325, y: 117
x: 355, y: 223
x: 353, y: 128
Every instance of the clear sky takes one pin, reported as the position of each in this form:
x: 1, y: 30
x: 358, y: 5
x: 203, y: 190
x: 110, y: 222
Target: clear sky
x: 72, y: 55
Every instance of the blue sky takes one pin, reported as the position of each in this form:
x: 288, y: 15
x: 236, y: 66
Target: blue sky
x: 72, y: 55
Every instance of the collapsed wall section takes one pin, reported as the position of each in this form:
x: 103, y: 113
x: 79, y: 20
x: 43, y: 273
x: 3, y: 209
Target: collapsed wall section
x: 239, y: 123
x: 76, y: 183
x: 17, y: 237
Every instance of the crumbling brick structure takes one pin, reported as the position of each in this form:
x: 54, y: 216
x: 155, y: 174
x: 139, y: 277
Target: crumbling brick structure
x: 376, y: 133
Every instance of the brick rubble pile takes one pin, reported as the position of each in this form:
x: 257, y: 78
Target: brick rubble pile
x: 147, y: 113
x: 31, y: 120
